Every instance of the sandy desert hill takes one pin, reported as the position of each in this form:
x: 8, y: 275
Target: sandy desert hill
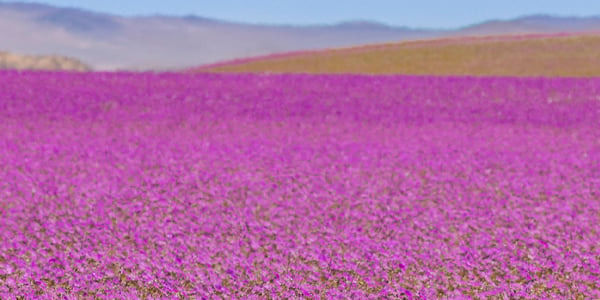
x: 571, y: 55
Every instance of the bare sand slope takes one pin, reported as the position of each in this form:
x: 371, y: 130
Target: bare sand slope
x: 567, y: 55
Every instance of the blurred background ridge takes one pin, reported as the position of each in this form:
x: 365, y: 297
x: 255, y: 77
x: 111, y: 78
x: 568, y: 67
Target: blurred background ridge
x: 111, y: 42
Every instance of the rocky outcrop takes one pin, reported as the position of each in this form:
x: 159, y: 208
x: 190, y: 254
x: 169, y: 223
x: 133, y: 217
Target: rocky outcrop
x: 50, y: 62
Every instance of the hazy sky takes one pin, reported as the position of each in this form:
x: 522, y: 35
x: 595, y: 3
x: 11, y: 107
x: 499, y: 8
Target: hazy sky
x: 412, y: 13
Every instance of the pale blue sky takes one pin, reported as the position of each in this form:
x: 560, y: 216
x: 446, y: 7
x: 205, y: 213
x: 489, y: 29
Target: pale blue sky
x: 412, y: 13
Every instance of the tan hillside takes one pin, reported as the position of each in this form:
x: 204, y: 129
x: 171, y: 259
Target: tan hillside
x: 30, y: 62
x: 557, y: 55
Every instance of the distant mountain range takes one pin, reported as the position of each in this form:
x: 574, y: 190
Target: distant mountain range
x: 110, y: 42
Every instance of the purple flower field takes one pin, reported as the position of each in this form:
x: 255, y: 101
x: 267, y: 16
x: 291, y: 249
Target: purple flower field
x: 208, y: 186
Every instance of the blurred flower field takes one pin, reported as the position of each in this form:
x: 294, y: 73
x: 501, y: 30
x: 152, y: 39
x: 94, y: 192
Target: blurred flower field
x: 209, y: 186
